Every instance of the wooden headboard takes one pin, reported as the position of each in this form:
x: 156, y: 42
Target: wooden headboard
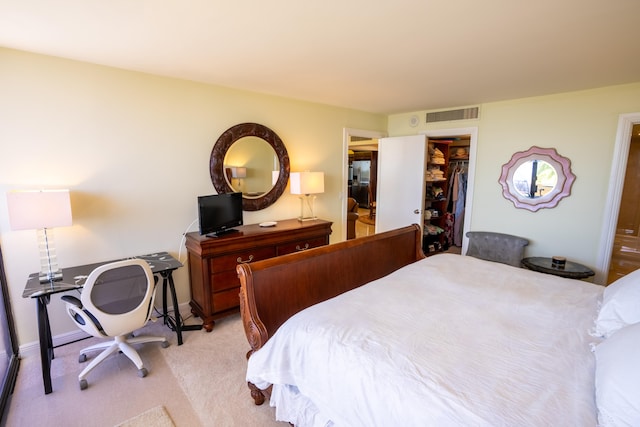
x: 277, y: 288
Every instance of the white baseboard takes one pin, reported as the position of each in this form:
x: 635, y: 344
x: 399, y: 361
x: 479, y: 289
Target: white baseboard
x: 33, y: 348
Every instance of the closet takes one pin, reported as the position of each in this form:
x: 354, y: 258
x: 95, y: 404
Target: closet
x: 456, y: 199
x: 437, y: 220
x: 422, y: 180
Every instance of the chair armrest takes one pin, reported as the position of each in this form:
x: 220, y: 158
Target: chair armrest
x: 71, y: 300
x: 84, y: 319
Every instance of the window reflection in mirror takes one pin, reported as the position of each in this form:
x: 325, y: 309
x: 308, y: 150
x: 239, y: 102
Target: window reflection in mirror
x: 259, y: 161
x: 535, y: 178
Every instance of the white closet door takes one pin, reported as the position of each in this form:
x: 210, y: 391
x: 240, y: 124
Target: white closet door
x: 401, y: 185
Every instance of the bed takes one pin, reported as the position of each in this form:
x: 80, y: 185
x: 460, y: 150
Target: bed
x: 370, y: 332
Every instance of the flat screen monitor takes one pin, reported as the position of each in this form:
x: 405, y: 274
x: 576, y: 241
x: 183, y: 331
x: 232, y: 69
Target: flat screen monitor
x: 219, y: 213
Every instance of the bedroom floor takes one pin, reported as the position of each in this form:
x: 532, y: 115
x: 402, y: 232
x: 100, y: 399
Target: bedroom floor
x: 366, y: 229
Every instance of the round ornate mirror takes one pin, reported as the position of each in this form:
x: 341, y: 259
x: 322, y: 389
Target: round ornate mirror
x: 252, y: 159
x: 537, y: 178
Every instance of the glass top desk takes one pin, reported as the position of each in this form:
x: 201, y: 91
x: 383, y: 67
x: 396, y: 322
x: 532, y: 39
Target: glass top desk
x: 74, y: 277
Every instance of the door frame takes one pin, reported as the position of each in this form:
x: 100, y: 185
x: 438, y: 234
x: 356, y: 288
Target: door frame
x: 614, y: 195
x: 437, y: 133
x: 473, y: 148
x: 347, y: 133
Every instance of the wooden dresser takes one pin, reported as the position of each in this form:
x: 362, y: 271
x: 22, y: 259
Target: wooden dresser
x: 212, y: 260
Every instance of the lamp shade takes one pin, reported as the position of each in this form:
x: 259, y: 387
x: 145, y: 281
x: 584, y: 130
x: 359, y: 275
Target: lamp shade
x: 307, y: 182
x: 238, y: 172
x: 39, y: 209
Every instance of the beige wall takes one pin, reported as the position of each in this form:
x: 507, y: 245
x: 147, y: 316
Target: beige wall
x: 134, y: 151
x: 581, y: 126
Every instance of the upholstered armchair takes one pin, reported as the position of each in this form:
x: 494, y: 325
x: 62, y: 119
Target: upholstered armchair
x: 352, y: 217
x: 496, y: 247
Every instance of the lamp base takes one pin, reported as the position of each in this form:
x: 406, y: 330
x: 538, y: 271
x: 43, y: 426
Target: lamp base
x: 53, y: 276
x: 49, y: 270
x: 307, y: 214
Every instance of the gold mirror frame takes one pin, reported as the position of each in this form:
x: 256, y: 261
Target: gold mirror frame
x: 562, y: 166
x: 219, y: 151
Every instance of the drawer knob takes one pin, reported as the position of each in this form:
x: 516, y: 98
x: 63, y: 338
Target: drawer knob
x: 241, y: 261
x: 306, y: 246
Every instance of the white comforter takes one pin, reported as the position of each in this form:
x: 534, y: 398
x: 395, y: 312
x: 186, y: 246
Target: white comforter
x: 447, y: 341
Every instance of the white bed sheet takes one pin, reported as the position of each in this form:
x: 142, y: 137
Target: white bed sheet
x: 447, y: 341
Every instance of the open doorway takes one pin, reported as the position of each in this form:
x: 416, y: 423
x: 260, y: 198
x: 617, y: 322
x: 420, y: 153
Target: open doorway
x: 362, y: 183
x: 357, y: 136
x: 462, y: 156
x: 626, y: 125
x: 359, y: 180
x: 625, y: 256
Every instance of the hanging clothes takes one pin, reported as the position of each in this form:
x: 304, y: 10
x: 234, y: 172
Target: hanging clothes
x: 457, y: 194
x: 458, y: 227
x: 449, y: 220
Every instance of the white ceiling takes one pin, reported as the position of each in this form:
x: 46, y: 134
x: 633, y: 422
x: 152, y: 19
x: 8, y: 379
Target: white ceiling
x: 377, y: 56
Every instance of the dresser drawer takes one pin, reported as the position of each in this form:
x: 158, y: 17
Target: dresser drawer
x: 229, y: 262
x: 213, y: 278
x: 225, y: 300
x: 224, y: 280
x: 288, y: 248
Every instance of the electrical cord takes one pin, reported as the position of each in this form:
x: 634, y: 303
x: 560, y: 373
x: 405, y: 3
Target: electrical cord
x: 182, y: 240
x: 184, y: 237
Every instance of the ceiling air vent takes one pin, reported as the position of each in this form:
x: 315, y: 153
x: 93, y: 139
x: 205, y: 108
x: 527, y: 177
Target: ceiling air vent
x: 445, y: 116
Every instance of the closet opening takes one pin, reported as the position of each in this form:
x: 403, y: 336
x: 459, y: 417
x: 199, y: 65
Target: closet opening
x: 446, y: 193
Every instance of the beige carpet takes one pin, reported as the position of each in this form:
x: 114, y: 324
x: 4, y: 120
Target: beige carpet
x: 200, y: 383
x: 156, y: 417
x: 211, y: 369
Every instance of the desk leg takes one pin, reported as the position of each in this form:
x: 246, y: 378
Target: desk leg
x: 46, y: 342
x: 174, y: 323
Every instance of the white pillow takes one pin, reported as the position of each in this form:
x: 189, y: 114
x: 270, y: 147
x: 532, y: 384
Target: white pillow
x: 618, y: 378
x: 620, y: 305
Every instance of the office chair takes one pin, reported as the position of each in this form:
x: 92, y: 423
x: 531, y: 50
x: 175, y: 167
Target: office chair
x: 496, y: 247
x: 117, y: 298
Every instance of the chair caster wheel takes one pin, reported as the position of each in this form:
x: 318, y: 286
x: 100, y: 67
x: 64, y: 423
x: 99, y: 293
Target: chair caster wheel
x: 82, y: 358
x: 83, y: 384
x: 142, y: 372
x: 164, y: 344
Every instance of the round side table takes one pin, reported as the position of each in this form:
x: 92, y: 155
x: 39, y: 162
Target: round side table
x: 572, y: 270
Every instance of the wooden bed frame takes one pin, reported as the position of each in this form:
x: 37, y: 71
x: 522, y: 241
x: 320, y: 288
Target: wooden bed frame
x: 275, y: 289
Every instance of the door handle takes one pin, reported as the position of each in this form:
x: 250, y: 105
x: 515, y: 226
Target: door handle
x: 417, y: 211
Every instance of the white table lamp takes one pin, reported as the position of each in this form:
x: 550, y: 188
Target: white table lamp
x: 307, y: 184
x: 41, y: 210
x: 239, y: 173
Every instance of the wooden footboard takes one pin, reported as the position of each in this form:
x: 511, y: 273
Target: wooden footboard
x: 275, y: 289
